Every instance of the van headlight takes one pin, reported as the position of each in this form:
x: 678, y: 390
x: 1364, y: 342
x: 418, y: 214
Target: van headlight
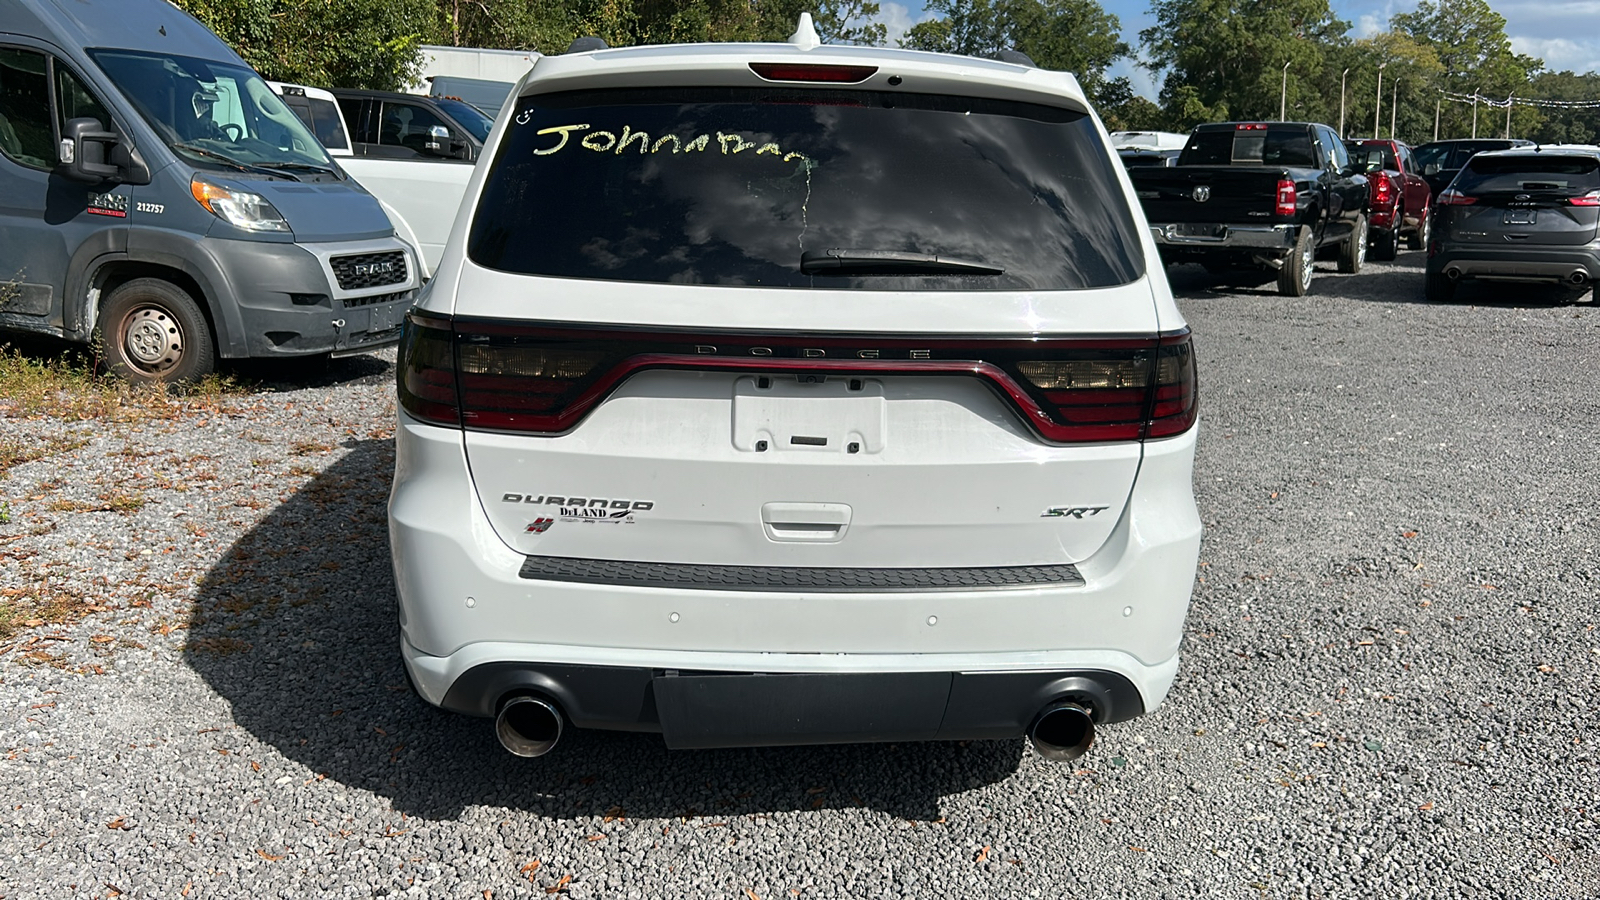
x: 242, y: 209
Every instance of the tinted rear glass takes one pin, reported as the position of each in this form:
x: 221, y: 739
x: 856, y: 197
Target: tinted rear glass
x: 1253, y: 147
x: 731, y: 186
x: 1561, y: 174
x: 1454, y: 155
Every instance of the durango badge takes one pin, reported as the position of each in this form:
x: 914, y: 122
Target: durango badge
x: 1077, y: 512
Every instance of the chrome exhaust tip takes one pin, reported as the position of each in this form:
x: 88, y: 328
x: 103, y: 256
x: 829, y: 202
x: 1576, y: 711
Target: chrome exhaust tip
x: 1453, y: 273
x: 1063, y: 731
x: 1578, y: 278
x: 528, y: 726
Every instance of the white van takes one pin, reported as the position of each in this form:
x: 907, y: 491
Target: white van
x: 785, y: 394
x: 420, y: 193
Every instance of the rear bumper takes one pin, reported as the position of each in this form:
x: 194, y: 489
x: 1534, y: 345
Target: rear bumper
x: 1523, y: 263
x: 464, y: 606
x: 1203, y: 236
x: 721, y: 708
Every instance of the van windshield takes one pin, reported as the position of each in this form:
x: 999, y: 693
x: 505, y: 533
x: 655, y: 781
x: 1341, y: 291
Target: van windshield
x: 841, y: 189
x: 214, y: 114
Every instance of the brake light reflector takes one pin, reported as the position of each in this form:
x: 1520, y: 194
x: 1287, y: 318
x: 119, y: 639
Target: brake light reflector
x: 1453, y: 197
x: 826, y: 74
x: 533, y: 378
x: 1590, y: 199
x: 1286, y: 198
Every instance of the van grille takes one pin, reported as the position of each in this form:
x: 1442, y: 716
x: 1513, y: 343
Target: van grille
x: 369, y: 269
x: 795, y: 578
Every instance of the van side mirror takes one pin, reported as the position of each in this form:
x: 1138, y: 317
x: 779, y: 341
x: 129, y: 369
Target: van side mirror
x: 84, y: 146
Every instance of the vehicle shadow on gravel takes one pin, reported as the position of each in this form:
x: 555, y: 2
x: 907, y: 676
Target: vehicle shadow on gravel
x: 295, y: 627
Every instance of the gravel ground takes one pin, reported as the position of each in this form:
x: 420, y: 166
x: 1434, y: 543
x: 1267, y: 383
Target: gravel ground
x: 1387, y: 684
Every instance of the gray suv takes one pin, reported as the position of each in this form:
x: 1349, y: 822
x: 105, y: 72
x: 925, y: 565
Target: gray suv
x: 1525, y: 215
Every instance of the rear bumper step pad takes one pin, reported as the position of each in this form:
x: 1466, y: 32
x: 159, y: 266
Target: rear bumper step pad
x: 692, y: 576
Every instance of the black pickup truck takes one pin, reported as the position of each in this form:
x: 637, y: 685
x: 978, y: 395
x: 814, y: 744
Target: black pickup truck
x: 1267, y: 195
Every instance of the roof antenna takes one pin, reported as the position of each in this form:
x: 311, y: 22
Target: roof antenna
x: 805, y: 34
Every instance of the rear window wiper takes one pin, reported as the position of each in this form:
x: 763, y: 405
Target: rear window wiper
x: 852, y: 261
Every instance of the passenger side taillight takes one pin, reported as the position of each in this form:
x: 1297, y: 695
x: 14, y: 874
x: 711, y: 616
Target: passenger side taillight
x: 1453, y: 197
x: 1381, y: 189
x: 1286, y: 198
x: 1590, y: 199
x: 502, y: 376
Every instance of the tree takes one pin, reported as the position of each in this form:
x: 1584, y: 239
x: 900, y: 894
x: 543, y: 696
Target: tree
x: 1475, y: 56
x: 1225, y: 58
x: 1571, y: 126
x: 1076, y: 36
x: 289, y: 40
x: 1410, y: 74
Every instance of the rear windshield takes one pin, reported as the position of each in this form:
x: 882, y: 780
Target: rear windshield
x: 1559, y: 174
x: 733, y: 186
x: 1370, y: 156
x: 1454, y: 155
x: 1250, y: 147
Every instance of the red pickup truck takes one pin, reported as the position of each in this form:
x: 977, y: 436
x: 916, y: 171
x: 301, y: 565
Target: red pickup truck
x: 1400, y: 198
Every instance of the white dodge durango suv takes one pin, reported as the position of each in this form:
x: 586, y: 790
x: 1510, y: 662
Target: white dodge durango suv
x: 787, y: 394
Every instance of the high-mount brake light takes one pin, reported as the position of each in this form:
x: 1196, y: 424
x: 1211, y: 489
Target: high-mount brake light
x: 1250, y: 126
x: 1453, y: 197
x: 823, y: 73
x: 1287, y: 199
x: 501, y: 376
x: 1590, y: 199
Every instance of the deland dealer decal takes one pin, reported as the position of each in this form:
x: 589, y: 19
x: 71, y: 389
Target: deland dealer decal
x: 108, y: 205
x: 581, y: 509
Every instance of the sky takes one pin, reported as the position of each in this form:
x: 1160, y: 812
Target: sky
x: 1562, y: 32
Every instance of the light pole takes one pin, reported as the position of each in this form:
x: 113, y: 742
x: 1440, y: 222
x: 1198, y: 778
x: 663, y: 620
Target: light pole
x: 1341, y: 100
x: 1474, y: 113
x: 1394, y: 107
x: 1508, y: 114
x: 1379, y: 100
x: 1437, y: 105
x: 1283, y: 94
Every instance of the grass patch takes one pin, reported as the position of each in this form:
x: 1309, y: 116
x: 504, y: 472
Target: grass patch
x: 16, y: 453
x: 37, y: 605
x: 114, y: 501
x: 67, y: 384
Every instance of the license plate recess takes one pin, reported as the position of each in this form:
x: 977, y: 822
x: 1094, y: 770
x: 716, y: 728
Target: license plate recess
x: 811, y: 413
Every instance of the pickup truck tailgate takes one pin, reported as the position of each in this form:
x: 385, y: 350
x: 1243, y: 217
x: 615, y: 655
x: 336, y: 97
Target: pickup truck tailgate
x: 1236, y: 195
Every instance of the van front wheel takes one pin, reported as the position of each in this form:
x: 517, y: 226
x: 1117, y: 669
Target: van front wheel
x: 152, y: 330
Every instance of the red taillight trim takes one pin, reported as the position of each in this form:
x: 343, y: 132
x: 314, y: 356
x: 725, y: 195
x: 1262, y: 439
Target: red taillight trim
x: 1382, y: 188
x: 1590, y: 199
x: 1288, y: 201
x: 1453, y: 197
x: 814, y: 73
x: 1079, y: 415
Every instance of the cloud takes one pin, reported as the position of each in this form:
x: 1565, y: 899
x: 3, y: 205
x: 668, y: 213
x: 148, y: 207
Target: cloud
x: 896, y: 17
x: 1560, y: 53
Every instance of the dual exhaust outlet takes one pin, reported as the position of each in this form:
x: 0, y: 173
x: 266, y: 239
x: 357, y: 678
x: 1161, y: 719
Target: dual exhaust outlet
x: 1576, y: 278
x: 530, y: 727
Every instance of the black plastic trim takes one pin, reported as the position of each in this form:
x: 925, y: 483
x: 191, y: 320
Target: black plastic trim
x: 747, y: 709
x: 697, y: 577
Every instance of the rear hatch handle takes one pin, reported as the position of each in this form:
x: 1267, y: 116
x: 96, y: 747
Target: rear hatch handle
x: 818, y: 523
